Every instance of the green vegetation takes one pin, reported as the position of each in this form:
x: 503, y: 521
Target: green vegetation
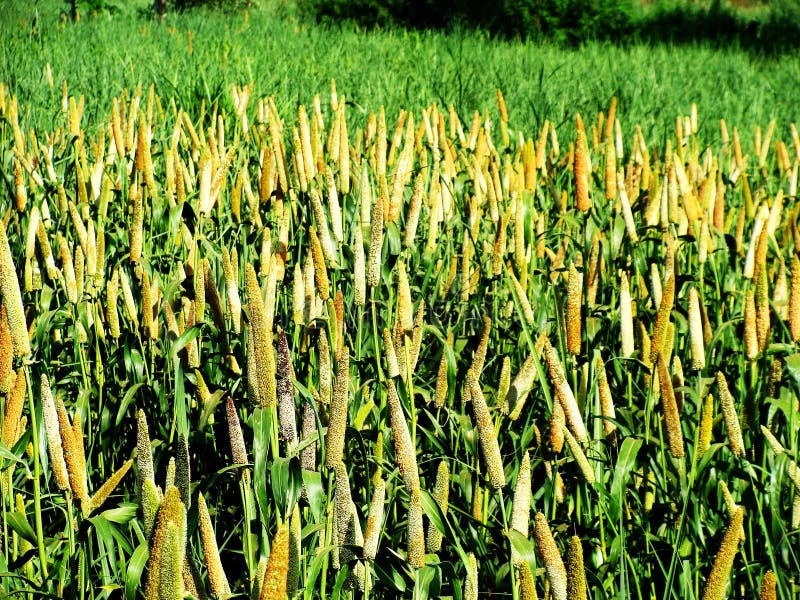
x: 401, y: 335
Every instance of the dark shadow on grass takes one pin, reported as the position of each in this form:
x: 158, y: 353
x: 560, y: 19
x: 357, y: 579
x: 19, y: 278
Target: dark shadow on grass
x: 771, y: 30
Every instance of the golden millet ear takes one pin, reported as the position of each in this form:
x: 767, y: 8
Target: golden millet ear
x: 486, y: 433
x: 216, y: 575
x: 12, y: 299
x: 768, y: 591
x: 335, y: 437
x: 576, y: 576
x: 717, y: 582
x: 553, y: 564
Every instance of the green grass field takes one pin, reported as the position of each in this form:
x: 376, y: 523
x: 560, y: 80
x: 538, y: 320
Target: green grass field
x: 487, y: 318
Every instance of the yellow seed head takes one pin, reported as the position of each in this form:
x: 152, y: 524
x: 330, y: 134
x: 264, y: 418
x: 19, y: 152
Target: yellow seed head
x: 375, y: 244
x: 706, y: 423
x: 471, y: 582
x: 672, y: 418
x: 564, y: 394
x: 504, y: 385
x: 554, y: 566
x: 574, y: 305
x: 12, y: 298
x: 486, y: 433
x: 102, y: 494
x: 335, y: 438
x: 441, y: 494
x: 372, y: 535
x: 238, y: 447
x: 606, y: 399
x: 768, y: 591
x: 526, y: 583
x: 52, y: 429
x: 581, y: 168
x: 750, y: 327
x: 216, y: 575
x: 731, y: 418
x: 320, y: 270
x: 275, y: 578
x: 576, y: 576
x: 440, y: 393
x: 144, y: 454
x: 15, y: 401
x: 521, y: 513
x: 416, y: 532
x: 392, y: 368
x: 696, y: 331
x: 405, y: 452
x: 794, y: 300
x: 721, y: 570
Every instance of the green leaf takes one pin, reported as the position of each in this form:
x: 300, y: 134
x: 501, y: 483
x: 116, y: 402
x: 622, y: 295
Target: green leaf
x: 133, y: 575
x: 19, y: 523
x: 626, y: 461
x: 209, y: 406
x: 126, y: 401
x: 286, y: 479
x: 316, y: 495
x: 186, y: 338
x: 439, y: 520
x: 314, y: 570
x: 262, y: 425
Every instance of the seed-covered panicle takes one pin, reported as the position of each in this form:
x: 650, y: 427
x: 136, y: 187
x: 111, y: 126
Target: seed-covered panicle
x: 576, y: 576
x: 15, y: 401
x: 768, y: 585
x: 723, y: 563
x: 521, y: 386
x: 606, y: 399
x: 105, y: 490
x: 661, y: 328
x: 486, y: 433
x: 261, y: 330
x: 696, y: 331
x: 750, y: 327
x: 375, y: 243
x: 6, y: 351
x: 53, y: 432
x: 479, y: 358
x: 334, y: 440
x: 275, y: 578
x: 441, y: 494
x: 471, y: 581
x: 372, y: 535
x: 285, y: 391
x: 573, y: 313
x: 392, y: 368
x: 526, y: 582
x: 405, y: 452
x: 182, y: 471
x: 416, y: 532
x: 238, y: 447
x: 521, y: 512
x: 731, y: 417
x: 553, y: 564
x: 144, y: 454
x: 581, y: 168
x: 440, y: 393
x: 216, y: 575
x: 706, y: 424
x: 672, y: 418
x: 625, y: 316
x: 564, y: 394
x: 794, y: 300
x: 12, y: 299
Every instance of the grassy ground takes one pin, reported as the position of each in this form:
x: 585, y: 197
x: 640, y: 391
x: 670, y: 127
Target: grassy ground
x: 97, y: 57
x: 594, y: 327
